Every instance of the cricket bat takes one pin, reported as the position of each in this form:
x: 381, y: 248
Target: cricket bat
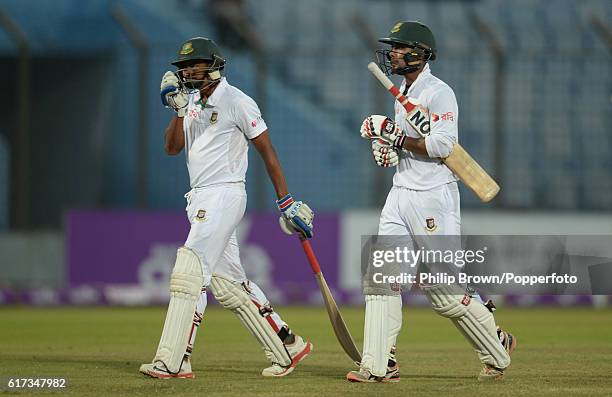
x: 459, y: 161
x: 340, y: 329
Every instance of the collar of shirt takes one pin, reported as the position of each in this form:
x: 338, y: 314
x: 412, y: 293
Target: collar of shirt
x: 424, y: 72
x: 213, y: 100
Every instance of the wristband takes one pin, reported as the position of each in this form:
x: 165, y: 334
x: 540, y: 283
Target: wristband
x: 399, y: 141
x: 284, y: 203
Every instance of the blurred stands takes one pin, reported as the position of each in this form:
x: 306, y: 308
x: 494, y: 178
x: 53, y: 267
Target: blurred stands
x: 4, y: 181
x: 557, y: 124
x: 557, y: 119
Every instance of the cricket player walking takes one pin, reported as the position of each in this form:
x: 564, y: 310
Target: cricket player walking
x: 424, y: 201
x: 214, y: 123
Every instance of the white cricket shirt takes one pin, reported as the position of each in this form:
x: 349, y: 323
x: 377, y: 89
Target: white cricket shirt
x: 420, y: 172
x: 217, y: 134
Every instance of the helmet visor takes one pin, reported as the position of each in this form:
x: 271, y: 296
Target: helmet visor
x: 397, y: 60
x: 199, y: 74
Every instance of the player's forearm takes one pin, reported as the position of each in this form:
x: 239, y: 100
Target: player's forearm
x: 174, y: 137
x: 415, y: 145
x: 275, y: 172
x: 264, y: 146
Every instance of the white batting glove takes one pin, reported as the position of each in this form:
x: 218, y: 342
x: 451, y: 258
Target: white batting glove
x: 384, y: 154
x: 382, y: 127
x: 171, y: 94
x: 296, y: 216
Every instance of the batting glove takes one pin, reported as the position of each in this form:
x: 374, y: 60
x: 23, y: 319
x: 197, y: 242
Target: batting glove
x: 384, y: 154
x: 377, y: 126
x: 296, y: 216
x: 171, y: 94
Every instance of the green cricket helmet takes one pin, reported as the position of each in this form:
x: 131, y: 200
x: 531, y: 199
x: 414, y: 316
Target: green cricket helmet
x: 414, y: 35
x: 198, y: 50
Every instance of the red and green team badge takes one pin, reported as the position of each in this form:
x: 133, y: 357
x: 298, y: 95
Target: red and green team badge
x: 430, y: 224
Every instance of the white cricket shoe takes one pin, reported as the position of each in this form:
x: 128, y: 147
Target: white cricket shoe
x: 364, y: 376
x: 298, y: 351
x: 489, y: 372
x: 158, y: 370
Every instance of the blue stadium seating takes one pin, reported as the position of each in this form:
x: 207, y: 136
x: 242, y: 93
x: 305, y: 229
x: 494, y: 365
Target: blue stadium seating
x: 4, y: 183
x: 319, y: 91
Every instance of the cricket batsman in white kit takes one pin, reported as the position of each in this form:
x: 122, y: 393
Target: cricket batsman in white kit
x: 214, y: 123
x: 424, y: 201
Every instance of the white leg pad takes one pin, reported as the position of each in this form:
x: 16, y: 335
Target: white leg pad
x: 232, y: 295
x: 473, y: 320
x: 186, y: 283
x: 383, y: 321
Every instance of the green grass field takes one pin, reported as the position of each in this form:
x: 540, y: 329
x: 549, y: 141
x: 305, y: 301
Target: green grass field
x: 561, y: 352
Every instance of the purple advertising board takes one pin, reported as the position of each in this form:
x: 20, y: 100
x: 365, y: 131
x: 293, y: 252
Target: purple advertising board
x: 128, y: 256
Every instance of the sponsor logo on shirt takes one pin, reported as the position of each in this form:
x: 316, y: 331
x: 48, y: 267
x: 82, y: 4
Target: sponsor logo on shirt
x: 446, y: 116
x: 254, y: 122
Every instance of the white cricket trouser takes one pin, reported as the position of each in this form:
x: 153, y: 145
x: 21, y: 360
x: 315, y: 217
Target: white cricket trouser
x: 214, y: 214
x: 432, y: 212
x: 414, y: 213
x: 421, y: 212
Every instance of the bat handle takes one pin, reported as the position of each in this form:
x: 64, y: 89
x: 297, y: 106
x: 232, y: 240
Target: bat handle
x: 312, y: 259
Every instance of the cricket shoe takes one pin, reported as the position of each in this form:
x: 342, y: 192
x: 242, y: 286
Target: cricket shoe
x: 393, y: 374
x: 364, y: 376
x: 298, y: 350
x: 507, y: 340
x: 158, y: 370
x: 490, y: 372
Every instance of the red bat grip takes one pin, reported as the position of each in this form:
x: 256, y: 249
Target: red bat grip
x: 312, y: 259
x: 401, y: 99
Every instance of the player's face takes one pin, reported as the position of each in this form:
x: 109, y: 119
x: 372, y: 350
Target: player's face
x: 195, y: 75
x: 397, y: 57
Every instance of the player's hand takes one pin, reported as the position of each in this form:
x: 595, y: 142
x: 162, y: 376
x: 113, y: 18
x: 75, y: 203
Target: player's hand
x: 171, y: 94
x: 296, y: 216
x: 382, y: 127
x: 384, y: 154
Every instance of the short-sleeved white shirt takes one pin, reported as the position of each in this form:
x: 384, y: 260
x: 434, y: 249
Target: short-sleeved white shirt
x: 421, y: 172
x: 217, y: 134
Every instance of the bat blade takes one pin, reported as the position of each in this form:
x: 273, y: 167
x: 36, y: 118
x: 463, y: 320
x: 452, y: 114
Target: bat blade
x: 340, y: 329
x: 472, y: 174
